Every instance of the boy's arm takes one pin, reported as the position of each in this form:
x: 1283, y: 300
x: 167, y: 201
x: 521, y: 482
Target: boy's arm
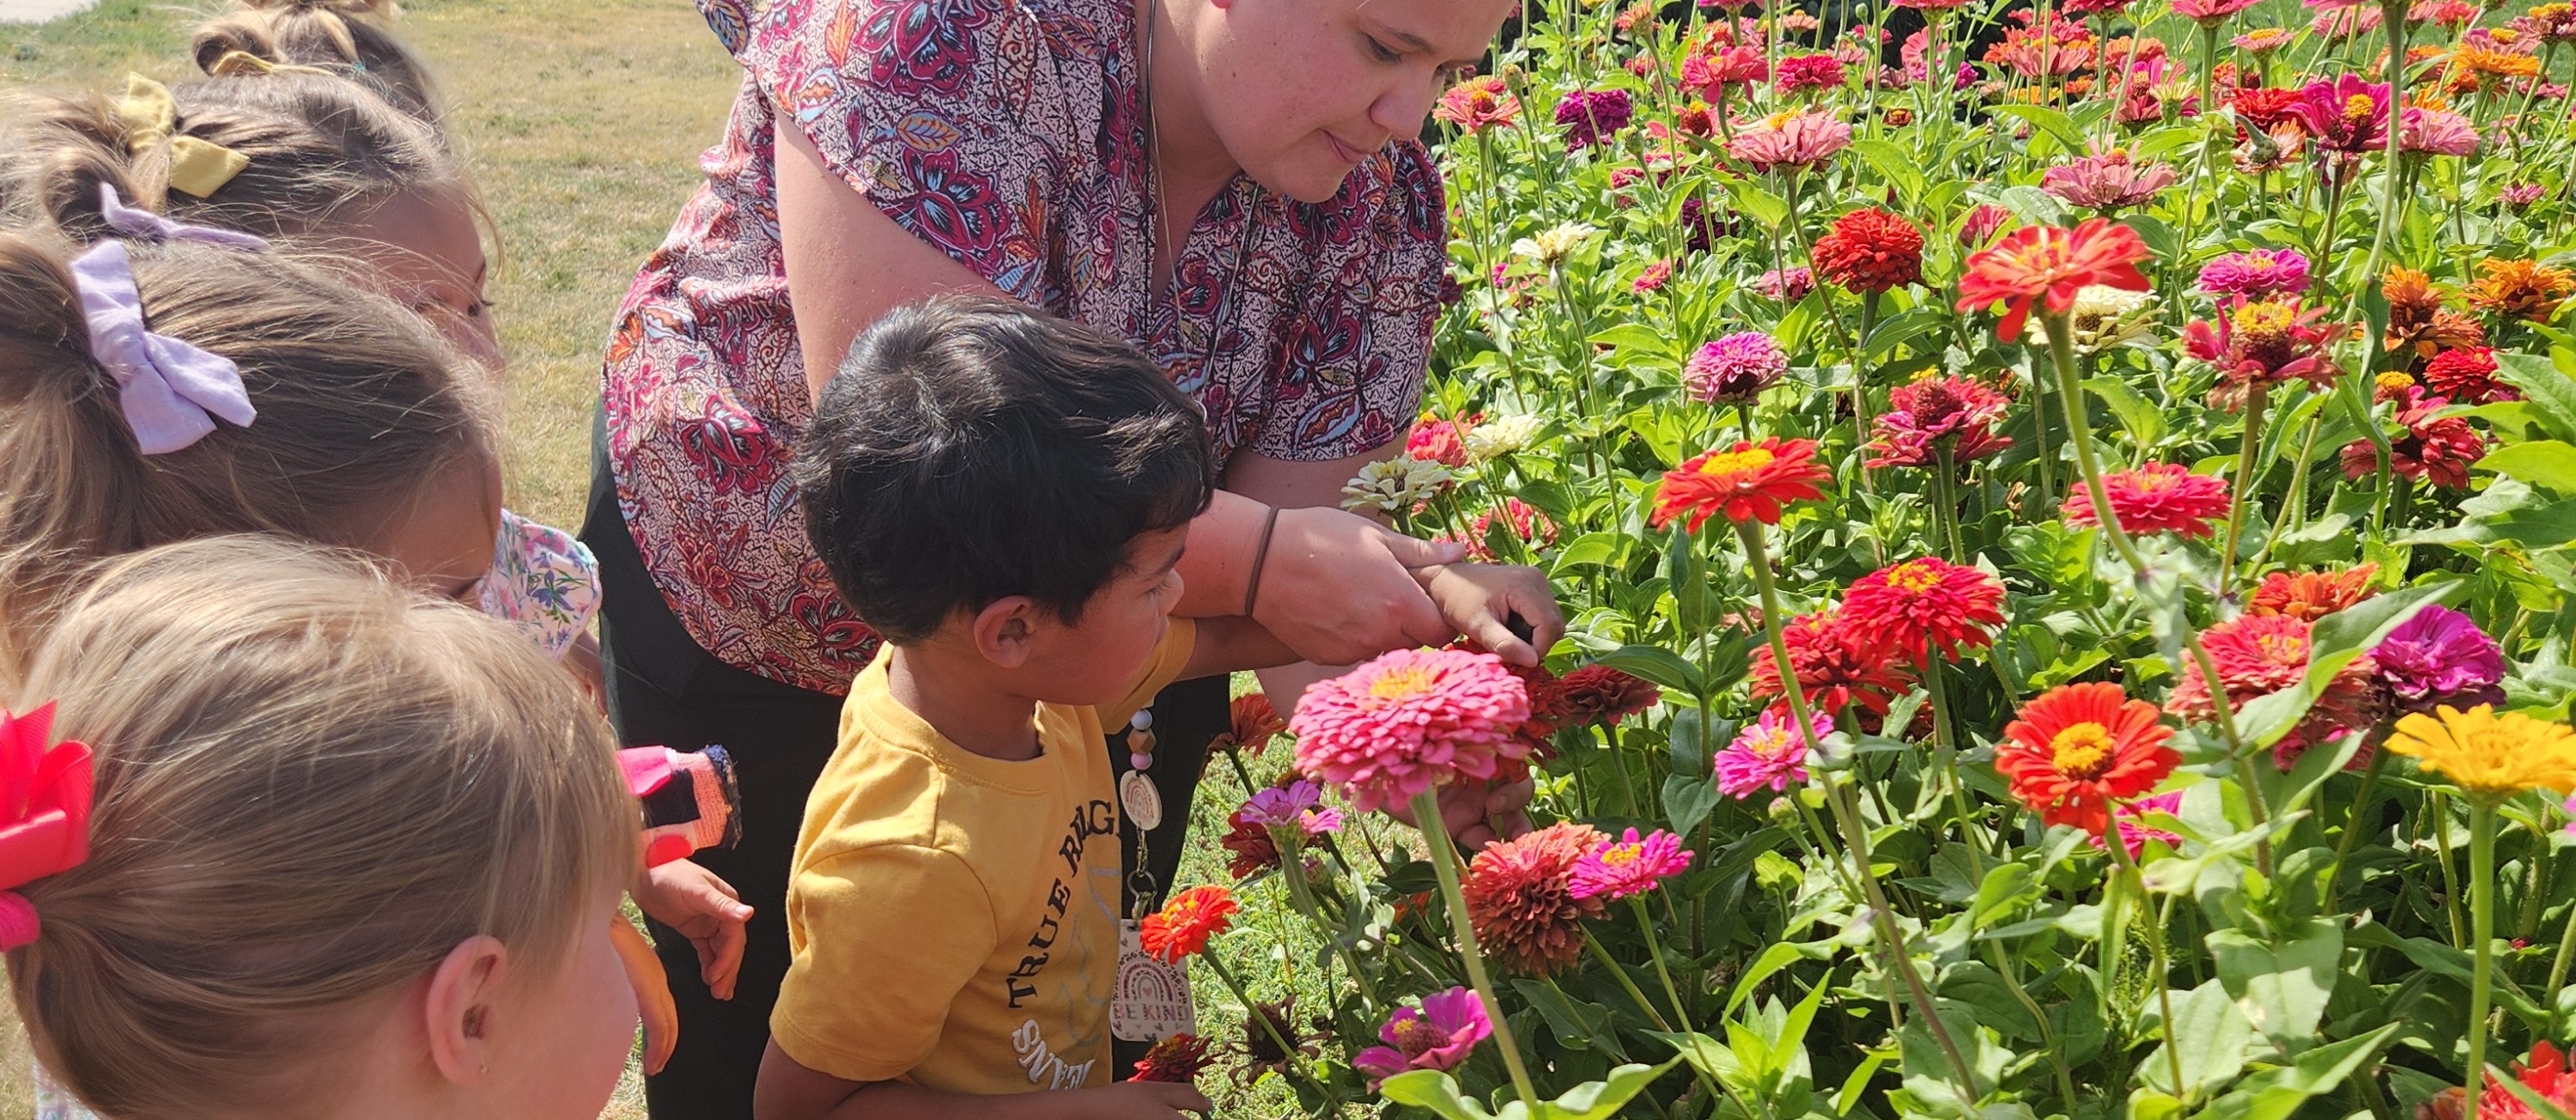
x: 789, y: 1091
x: 1226, y: 645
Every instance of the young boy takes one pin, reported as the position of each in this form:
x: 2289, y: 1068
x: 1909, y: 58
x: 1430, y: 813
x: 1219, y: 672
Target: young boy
x: 1003, y: 495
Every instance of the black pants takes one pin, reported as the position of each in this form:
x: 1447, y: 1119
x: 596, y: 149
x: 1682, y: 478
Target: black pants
x: 663, y: 688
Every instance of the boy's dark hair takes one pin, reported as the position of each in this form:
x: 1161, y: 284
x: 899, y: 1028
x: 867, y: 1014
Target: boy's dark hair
x: 971, y: 449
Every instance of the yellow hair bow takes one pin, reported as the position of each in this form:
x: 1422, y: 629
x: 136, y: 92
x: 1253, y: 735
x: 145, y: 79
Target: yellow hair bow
x: 197, y: 167
x: 237, y: 63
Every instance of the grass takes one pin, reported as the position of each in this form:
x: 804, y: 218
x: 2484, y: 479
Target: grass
x: 582, y: 120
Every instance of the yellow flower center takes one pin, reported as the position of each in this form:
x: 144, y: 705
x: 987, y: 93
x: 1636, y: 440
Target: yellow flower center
x: 2265, y: 322
x: 1777, y: 121
x: 2081, y: 750
x: 1621, y: 855
x: 1915, y: 576
x: 2151, y: 482
x: 1401, y: 683
x: 2394, y: 381
x: 2284, y: 649
x: 2359, y: 107
x: 1731, y: 462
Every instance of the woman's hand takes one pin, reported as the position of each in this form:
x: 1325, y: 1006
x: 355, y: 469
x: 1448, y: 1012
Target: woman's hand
x: 1483, y: 600
x: 706, y: 910
x: 1339, y: 588
x: 652, y: 991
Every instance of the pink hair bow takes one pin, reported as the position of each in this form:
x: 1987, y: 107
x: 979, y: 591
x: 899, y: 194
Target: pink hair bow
x: 171, y: 392
x: 44, y: 814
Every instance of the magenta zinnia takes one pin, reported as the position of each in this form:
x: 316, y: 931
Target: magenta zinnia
x: 2346, y: 115
x: 2155, y: 498
x: 1629, y: 865
x: 1925, y: 606
x: 2256, y: 274
x: 1591, y: 115
x: 1926, y: 416
x: 1767, y: 753
x: 1409, y: 721
x: 1735, y: 368
x: 1439, y: 1035
x: 2437, y: 658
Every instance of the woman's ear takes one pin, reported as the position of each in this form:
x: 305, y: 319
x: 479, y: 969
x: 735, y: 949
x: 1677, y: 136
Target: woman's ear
x: 464, y: 996
x: 1003, y: 630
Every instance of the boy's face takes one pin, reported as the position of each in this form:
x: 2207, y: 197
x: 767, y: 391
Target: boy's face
x: 1096, y: 661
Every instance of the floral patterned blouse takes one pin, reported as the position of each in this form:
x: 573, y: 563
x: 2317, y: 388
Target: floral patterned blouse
x: 1008, y: 133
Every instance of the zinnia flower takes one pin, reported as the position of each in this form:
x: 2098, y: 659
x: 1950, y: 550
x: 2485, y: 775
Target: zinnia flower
x: 1591, y: 115
x: 1249, y: 846
x: 1767, y: 753
x: 1502, y: 435
x: 1477, y: 104
x: 1434, y: 440
x: 1596, y: 694
x: 2259, y: 654
x: 1521, y: 901
x: 1297, y: 807
x: 1835, y: 666
x: 2155, y: 498
x: 1408, y: 721
x: 2107, y: 181
x: 2256, y: 274
x: 1437, y: 1036
x: 2346, y: 115
x: 1925, y: 606
x: 2104, y: 317
x: 2437, y: 132
x: 2488, y: 755
x: 2518, y: 197
x: 1260, y: 1048
x: 1708, y: 74
x: 2309, y: 596
x: 1746, y: 482
x: 2134, y: 835
x: 2440, y: 658
x: 1801, y: 72
x: 1182, y: 927
x: 2264, y: 342
x: 1796, y: 141
x: 1786, y: 285
x: 2048, y: 266
x: 2210, y: 13
x: 1252, y: 721
x: 2434, y: 447
x: 1736, y: 368
x: 2468, y: 374
x: 1177, y: 1058
x: 1870, y: 250
x: 1396, y: 485
x: 1629, y: 865
x: 2080, y: 746
x: 1924, y: 413
x: 2417, y: 320
x: 2546, y: 1075
x: 2522, y: 289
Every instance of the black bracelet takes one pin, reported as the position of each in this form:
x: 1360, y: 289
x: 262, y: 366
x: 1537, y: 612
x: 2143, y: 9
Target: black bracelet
x: 1261, y: 555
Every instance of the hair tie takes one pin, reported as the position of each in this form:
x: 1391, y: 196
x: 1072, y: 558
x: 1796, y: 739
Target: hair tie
x: 44, y: 814
x: 171, y: 391
x: 689, y: 798
x: 197, y: 167
x: 236, y: 63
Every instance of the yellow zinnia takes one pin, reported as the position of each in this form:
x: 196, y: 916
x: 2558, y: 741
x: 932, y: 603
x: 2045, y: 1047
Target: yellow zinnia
x: 2489, y: 754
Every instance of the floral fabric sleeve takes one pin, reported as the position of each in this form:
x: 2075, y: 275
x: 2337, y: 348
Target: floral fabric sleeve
x: 543, y: 582
x: 934, y: 109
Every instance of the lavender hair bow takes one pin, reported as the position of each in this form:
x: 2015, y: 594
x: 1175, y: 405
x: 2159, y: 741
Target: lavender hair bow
x: 171, y: 392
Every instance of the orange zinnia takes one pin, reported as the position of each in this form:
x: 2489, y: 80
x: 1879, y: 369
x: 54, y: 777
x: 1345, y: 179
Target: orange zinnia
x: 2036, y: 263
x: 2310, y: 596
x: 1747, y: 482
x: 2077, y: 747
x: 1182, y: 927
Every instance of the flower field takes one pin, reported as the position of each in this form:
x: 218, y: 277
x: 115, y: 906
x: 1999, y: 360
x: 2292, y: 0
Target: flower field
x: 2145, y: 431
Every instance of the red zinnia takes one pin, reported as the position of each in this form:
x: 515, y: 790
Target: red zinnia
x: 1178, y: 1059
x: 1600, y: 694
x: 1520, y: 898
x: 1747, y: 482
x: 2546, y: 1075
x: 2259, y: 654
x: 1870, y: 250
x: 2434, y: 446
x: 1836, y: 669
x: 2467, y: 374
x: 1925, y: 605
x: 1249, y: 846
x: 2155, y: 498
x: 2077, y: 747
x: 1182, y: 927
x: 1253, y: 721
x: 2042, y: 263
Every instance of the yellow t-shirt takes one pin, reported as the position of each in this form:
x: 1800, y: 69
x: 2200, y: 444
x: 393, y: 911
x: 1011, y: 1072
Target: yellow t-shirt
x: 954, y: 918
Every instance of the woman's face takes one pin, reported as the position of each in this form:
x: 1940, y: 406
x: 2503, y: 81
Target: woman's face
x: 1300, y: 91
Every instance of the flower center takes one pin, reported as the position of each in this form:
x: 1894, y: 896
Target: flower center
x: 2081, y: 750
x: 1621, y: 855
x: 2152, y: 482
x: 1416, y: 1037
x: 2264, y: 323
x: 1732, y: 462
x: 2285, y: 649
x: 1402, y: 683
x: 2359, y: 107
x: 2393, y: 381
x: 1914, y: 576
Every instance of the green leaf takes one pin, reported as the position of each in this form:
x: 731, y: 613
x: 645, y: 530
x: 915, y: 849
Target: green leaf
x: 1596, y: 1100
x: 1694, y: 603
x: 1760, y: 205
x: 2551, y: 395
x: 2276, y: 1094
x: 2281, y: 986
x: 1434, y: 1090
x: 1578, y: 1025
x: 2034, y: 206
x: 2146, y: 425
x: 1898, y: 166
x: 1657, y: 664
x: 2050, y: 121
x: 1688, y: 798
x: 1779, y: 956
x: 2210, y: 1038
x: 2546, y: 462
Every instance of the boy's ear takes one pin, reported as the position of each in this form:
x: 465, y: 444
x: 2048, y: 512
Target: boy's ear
x: 1003, y: 630
x: 462, y: 998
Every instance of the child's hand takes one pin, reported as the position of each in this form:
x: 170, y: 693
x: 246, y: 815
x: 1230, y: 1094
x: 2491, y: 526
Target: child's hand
x: 706, y: 910
x: 652, y: 991
x: 1133, y: 1100
x: 1481, y: 600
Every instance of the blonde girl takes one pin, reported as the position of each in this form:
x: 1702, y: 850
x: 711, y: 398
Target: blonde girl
x: 350, y: 852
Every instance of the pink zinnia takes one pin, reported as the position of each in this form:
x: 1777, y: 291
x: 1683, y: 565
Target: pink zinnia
x: 2437, y: 132
x: 2440, y: 657
x: 1787, y: 285
x: 1409, y: 721
x: 1591, y: 115
x: 1798, y: 73
x: 2107, y: 181
x: 2134, y: 835
x: 1435, y: 440
x: 1734, y: 368
x: 2519, y: 196
x: 1769, y: 752
x: 1925, y: 416
x: 2256, y: 274
x: 1796, y: 141
x: 1710, y: 74
x: 2210, y: 13
x: 2155, y: 498
x: 1437, y: 1036
x: 1299, y: 806
x: 2346, y: 115
x: 1629, y: 865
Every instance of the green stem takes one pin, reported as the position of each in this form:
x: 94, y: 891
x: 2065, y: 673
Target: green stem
x: 2352, y: 829
x: 1444, y: 861
x: 1655, y: 951
x: 1251, y: 1011
x: 2450, y: 876
x: 2136, y: 881
x: 2047, y: 1038
x: 2482, y: 924
x: 2257, y: 396
x: 2558, y: 965
x: 1292, y: 871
